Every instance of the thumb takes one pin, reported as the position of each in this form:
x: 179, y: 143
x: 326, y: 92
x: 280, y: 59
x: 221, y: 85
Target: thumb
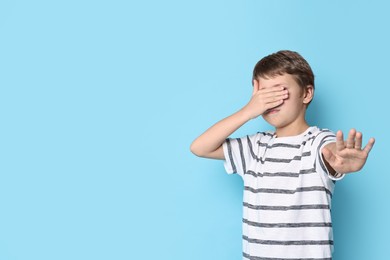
x: 328, y: 155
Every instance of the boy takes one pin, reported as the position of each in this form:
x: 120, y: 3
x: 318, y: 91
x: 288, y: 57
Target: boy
x: 289, y: 174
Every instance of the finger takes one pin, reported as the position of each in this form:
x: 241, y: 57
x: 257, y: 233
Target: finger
x: 273, y: 104
x: 358, y: 141
x: 351, y: 139
x: 269, y: 94
x: 339, y: 141
x: 276, y: 97
x: 255, y: 86
x: 272, y: 89
x: 369, y: 145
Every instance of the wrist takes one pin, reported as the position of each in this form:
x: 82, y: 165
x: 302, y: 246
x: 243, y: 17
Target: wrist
x: 246, y: 113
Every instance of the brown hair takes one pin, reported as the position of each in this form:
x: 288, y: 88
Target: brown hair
x: 282, y: 62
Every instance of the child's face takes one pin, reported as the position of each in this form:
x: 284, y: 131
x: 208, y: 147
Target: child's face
x: 292, y: 111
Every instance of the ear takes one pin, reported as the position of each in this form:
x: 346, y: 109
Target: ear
x: 308, y: 94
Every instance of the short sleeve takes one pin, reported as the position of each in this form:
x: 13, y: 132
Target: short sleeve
x: 238, y: 154
x: 323, y: 138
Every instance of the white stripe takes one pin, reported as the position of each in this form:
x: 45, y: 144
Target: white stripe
x: 270, y: 199
x: 319, y: 233
x: 275, y: 251
x: 290, y: 216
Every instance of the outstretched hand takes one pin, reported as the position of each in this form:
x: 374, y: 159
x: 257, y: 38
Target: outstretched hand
x: 347, y: 156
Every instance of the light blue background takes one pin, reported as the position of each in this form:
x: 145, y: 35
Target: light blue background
x: 100, y: 100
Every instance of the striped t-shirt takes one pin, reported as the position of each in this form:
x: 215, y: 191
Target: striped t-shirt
x: 287, y: 194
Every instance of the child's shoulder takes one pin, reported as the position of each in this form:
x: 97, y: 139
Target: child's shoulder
x: 316, y: 136
x: 316, y: 132
x: 310, y: 136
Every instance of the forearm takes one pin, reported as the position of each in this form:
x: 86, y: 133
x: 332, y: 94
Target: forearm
x: 209, y: 144
x: 212, y: 139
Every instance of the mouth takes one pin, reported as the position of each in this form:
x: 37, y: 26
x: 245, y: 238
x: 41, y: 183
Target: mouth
x: 272, y: 111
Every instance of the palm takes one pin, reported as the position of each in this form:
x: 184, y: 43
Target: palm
x: 348, y: 156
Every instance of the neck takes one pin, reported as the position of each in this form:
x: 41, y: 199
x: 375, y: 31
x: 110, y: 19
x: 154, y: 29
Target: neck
x: 291, y: 130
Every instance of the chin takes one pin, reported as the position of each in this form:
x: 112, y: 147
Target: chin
x: 273, y: 121
x: 277, y: 124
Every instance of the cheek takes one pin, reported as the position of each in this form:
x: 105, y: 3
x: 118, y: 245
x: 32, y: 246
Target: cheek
x: 293, y: 97
x: 289, y: 99
x: 292, y: 102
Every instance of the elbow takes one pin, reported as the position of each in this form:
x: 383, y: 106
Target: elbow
x: 195, y: 149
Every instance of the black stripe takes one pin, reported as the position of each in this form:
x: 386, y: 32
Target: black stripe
x: 315, y: 188
x: 323, y: 131
x: 229, y: 146
x: 287, y: 225
x: 288, y: 243
x: 270, y: 174
x: 251, y: 150
x: 285, y: 208
x: 278, y: 160
x: 242, y: 155
x: 273, y: 258
x: 284, y: 191
x: 310, y: 138
x: 296, y: 146
x: 306, y: 171
x: 280, y: 174
x: 266, y: 134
